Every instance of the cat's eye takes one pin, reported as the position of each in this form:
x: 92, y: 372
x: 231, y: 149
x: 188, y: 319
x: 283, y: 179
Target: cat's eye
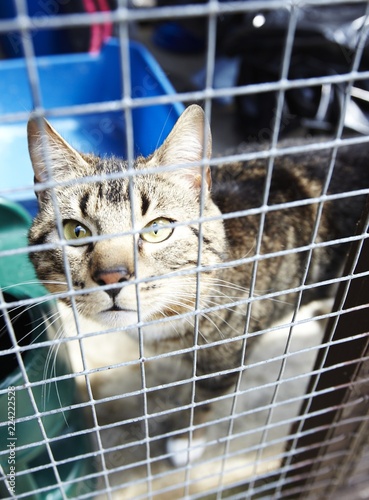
x: 157, y: 231
x: 74, y: 230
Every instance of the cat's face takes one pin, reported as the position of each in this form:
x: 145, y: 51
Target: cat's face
x: 145, y: 253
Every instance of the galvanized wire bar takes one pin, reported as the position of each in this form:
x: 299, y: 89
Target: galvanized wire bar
x: 123, y: 14
x: 276, y: 131
x: 127, y: 92
x: 210, y: 61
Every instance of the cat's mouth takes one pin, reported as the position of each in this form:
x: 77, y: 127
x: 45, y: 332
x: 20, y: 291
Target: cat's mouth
x: 115, y: 308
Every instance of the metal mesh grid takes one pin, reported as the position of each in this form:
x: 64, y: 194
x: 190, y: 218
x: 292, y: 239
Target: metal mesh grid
x: 236, y: 454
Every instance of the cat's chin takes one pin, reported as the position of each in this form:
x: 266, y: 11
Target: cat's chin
x: 117, y: 319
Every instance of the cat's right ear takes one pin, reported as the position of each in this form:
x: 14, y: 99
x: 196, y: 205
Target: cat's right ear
x: 51, y: 156
x: 188, y: 142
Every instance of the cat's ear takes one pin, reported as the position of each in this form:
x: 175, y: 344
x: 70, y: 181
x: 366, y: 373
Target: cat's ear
x: 48, y: 149
x: 186, y: 144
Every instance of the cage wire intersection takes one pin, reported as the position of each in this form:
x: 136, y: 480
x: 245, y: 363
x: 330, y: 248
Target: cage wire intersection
x: 262, y: 441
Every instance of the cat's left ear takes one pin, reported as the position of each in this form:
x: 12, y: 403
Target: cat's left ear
x: 49, y: 152
x: 188, y: 142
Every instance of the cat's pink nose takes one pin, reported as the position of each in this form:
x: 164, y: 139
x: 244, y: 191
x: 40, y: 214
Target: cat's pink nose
x: 111, y: 276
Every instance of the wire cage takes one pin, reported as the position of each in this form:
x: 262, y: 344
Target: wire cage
x: 85, y: 412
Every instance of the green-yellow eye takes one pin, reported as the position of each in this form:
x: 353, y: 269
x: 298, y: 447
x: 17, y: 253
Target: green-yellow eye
x: 74, y: 230
x: 157, y: 231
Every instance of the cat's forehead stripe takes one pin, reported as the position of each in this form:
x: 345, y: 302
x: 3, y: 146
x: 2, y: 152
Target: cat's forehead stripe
x: 113, y: 191
x: 84, y: 202
x: 145, y: 203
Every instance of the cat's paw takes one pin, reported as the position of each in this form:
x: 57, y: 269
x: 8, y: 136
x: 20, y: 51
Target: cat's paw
x: 180, y: 451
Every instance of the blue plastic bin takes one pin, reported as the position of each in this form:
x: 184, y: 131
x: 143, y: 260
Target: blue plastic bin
x: 74, y: 79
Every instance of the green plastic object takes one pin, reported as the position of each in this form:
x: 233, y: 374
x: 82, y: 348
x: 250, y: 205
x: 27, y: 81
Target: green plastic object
x: 25, y: 458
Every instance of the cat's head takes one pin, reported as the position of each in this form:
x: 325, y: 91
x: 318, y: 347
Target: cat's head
x: 146, y: 230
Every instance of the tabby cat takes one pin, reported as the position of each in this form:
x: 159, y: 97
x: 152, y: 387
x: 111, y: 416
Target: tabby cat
x: 132, y: 244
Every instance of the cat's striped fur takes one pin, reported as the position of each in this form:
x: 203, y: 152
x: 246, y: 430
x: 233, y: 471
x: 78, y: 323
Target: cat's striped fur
x: 165, y: 268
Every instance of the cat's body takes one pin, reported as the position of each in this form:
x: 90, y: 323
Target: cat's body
x: 154, y: 265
